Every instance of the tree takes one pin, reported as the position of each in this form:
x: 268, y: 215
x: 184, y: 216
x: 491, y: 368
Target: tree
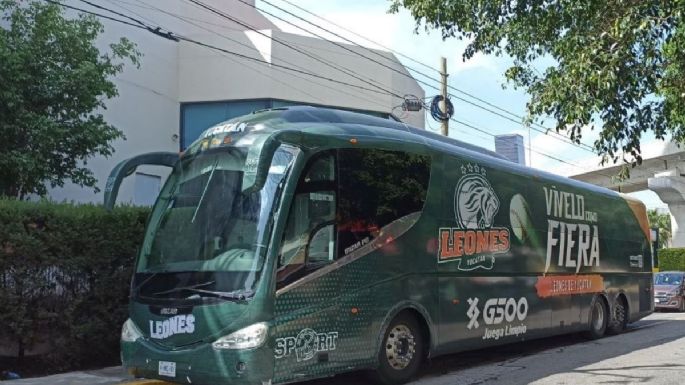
x: 54, y: 82
x: 619, y: 64
x: 663, y: 222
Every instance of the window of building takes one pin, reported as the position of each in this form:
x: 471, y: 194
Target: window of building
x: 146, y: 189
x: 197, y: 117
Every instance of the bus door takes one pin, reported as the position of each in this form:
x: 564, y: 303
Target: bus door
x: 305, y: 304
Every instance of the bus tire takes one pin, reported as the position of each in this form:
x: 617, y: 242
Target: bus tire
x: 597, y: 319
x: 401, y: 352
x: 619, y: 318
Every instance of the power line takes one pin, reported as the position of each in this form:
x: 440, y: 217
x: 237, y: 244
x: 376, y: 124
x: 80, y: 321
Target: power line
x: 197, y: 42
x: 139, y: 24
x: 223, y: 54
x: 171, y: 36
x: 177, y: 37
x: 143, y: 25
x: 361, y: 36
x: 189, y: 21
x: 218, y: 12
x: 303, y: 52
x: 535, y: 151
x: 546, y: 130
x: 174, y: 36
x: 116, y: 4
x: 199, y: 3
x: 95, y: 14
x: 114, y: 12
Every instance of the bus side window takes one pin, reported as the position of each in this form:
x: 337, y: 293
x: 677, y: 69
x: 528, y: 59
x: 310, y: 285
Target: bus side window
x: 309, y: 236
x: 378, y: 191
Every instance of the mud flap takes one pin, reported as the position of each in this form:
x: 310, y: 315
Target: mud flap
x: 646, y: 298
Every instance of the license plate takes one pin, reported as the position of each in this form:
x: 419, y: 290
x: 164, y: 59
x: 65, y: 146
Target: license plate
x: 167, y: 368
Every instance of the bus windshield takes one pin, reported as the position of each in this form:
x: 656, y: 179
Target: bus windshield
x: 207, y: 237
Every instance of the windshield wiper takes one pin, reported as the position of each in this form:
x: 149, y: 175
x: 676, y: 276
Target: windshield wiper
x: 238, y: 295
x: 191, y: 287
x: 204, y: 191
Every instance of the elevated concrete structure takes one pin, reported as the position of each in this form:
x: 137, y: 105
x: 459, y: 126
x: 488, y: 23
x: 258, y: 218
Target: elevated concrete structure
x: 662, y: 171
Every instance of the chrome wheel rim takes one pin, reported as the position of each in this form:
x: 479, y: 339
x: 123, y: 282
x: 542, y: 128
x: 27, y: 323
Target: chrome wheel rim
x: 598, y: 316
x: 400, y: 347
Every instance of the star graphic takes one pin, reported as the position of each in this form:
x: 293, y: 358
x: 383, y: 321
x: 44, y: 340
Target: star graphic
x: 470, y: 167
x: 476, y: 168
x: 463, y: 170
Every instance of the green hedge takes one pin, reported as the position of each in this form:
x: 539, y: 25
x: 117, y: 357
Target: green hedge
x: 672, y: 259
x: 65, y: 272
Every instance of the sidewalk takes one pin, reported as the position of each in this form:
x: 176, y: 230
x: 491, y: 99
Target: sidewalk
x: 107, y: 376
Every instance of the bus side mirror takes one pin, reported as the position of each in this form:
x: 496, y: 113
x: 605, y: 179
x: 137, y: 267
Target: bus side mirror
x: 128, y: 166
x: 259, y: 158
x: 320, y: 245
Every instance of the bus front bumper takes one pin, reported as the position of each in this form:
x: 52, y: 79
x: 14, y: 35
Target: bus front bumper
x: 201, y: 365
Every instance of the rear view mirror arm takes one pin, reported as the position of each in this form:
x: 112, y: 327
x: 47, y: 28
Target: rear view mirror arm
x: 128, y: 166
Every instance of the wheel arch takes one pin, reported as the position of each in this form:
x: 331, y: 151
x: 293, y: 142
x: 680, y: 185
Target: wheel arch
x: 422, y: 316
x: 620, y: 295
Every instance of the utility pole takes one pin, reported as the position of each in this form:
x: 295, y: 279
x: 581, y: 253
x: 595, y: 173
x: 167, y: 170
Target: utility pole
x: 443, y: 103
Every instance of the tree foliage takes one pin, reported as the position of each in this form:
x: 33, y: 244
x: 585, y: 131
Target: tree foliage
x: 672, y: 259
x: 53, y: 84
x: 618, y: 64
x: 663, y: 222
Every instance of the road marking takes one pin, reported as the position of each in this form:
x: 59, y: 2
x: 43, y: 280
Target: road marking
x: 146, y: 382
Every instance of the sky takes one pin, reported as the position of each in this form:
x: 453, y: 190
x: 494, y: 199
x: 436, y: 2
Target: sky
x: 482, y: 76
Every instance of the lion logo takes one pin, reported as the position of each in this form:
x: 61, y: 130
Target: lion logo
x: 475, y: 202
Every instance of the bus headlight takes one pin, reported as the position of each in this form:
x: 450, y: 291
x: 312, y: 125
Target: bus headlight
x: 130, y: 332
x: 252, y: 336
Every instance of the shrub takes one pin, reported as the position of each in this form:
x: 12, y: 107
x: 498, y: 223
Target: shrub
x: 672, y: 259
x: 65, y: 271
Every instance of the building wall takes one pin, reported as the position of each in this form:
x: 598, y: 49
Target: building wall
x: 146, y: 110
x: 172, y: 73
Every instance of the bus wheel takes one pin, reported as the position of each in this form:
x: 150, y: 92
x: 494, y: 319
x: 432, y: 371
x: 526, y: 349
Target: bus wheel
x: 598, y: 319
x: 401, y: 354
x: 619, y: 319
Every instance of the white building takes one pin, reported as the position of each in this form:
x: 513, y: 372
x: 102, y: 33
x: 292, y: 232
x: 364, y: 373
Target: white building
x: 182, y: 88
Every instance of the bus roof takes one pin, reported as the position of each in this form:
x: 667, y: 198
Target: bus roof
x: 328, y: 121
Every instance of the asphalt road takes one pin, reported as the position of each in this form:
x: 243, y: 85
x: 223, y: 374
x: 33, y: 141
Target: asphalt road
x: 651, y: 351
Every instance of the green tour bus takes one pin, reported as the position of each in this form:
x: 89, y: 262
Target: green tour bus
x: 298, y: 243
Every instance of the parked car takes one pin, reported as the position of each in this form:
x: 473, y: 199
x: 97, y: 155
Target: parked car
x: 669, y: 288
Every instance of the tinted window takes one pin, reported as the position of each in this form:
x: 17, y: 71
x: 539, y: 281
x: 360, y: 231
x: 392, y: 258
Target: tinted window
x: 308, y: 237
x: 377, y: 188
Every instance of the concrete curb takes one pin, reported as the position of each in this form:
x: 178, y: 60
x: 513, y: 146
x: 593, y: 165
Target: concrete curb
x: 105, y: 376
